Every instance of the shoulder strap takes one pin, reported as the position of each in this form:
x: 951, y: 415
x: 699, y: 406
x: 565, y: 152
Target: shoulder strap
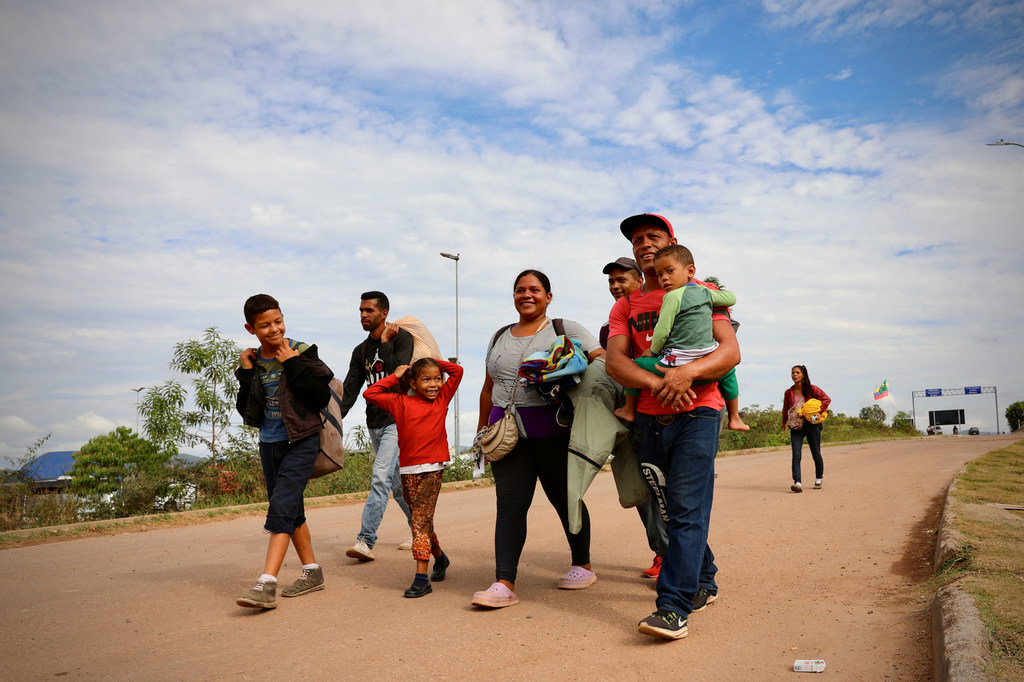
x: 559, y: 326
x: 494, y: 339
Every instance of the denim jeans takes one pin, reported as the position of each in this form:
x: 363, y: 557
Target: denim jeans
x: 796, y: 438
x: 678, y: 460
x: 654, y: 524
x: 286, y: 470
x: 385, y: 481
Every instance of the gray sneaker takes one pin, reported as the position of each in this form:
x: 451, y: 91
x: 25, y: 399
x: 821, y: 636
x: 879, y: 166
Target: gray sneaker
x: 360, y: 551
x: 312, y: 580
x: 260, y: 596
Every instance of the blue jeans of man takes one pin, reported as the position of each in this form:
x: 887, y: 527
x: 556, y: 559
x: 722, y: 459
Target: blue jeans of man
x: 384, y: 483
x: 677, y: 456
x: 654, y: 525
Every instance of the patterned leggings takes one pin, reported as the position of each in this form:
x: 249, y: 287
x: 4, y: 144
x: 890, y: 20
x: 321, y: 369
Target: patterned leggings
x: 420, y: 491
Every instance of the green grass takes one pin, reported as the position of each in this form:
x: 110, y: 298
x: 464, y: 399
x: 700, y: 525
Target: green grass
x: 991, y: 566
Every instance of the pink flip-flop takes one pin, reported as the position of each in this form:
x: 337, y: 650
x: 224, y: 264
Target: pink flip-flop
x: 495, y: 597
x: 577, y: 578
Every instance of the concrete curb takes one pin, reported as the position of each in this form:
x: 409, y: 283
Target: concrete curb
x: 959, y: 638
x: 960, y: 642
x: 950, y: 541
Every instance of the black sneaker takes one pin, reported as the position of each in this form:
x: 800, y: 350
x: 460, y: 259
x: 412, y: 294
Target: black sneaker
x: 664, y: 624
x: 703, y: 598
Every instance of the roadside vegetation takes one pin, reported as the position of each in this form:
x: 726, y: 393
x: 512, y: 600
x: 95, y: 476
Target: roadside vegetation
x: 121, y: 474
x: 124, y: 474
x: 991, y: 566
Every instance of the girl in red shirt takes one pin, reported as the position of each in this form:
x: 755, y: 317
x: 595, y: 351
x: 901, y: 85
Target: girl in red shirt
x: 422, y: 452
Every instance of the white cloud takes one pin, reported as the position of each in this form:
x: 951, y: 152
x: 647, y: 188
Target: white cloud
x: 841, y: 76
x: 319, y: 152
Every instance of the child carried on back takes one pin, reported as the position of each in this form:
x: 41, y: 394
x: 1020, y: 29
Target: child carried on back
x: 423, y: 452
x: 684, y: 330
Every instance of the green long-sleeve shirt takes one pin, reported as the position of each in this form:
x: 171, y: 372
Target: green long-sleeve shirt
x: 684, y: 320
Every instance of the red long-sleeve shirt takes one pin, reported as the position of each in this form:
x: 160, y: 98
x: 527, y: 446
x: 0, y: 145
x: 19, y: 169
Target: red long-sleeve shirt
x: 422, y: 438
x: 789, y: 399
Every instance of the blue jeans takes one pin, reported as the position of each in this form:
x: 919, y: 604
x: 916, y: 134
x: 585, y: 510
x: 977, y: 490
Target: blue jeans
x: 286, y: 470
x: 677, y: 456
x: 385, y: 481
x: 654, y: 524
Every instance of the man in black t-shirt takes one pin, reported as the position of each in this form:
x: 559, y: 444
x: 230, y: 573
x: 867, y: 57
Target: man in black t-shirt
x: 386, y: 348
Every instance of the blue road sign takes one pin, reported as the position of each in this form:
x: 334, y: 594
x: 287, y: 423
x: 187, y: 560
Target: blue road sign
x: 972, y: 390
x: 932, y: 392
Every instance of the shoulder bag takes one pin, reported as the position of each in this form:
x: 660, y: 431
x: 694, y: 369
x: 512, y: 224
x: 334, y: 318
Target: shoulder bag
x: 498, y: 439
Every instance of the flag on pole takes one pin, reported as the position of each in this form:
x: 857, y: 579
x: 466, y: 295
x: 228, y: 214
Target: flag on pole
x: 882, y: 390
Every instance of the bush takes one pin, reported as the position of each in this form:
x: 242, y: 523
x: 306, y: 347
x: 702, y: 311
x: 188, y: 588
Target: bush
x: 766, y: 429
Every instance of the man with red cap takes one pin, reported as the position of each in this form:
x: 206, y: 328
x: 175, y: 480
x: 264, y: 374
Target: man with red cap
x: 676, y: 431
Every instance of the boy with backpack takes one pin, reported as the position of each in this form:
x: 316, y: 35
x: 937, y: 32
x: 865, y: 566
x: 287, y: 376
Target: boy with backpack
x: 283, y: 385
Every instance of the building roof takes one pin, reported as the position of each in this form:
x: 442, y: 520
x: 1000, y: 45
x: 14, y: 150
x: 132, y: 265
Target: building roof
x: 49, y: 466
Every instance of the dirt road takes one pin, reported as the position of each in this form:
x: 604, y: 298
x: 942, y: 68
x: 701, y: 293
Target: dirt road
x: 836, y: 574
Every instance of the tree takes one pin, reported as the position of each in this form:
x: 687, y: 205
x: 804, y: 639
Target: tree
x: 1015, y: 415
x: 873, y: 414
x: 105, y: 461
x: 169, y: 421
x: 902, y: 419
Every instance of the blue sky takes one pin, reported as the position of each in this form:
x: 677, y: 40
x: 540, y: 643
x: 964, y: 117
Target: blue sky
x: 825, y: 158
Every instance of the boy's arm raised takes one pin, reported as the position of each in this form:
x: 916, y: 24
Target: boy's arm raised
x: 309, y: 379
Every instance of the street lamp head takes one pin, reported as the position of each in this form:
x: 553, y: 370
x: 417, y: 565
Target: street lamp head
x: 1004, y: 143
x: 450, y: 256
x: 138, y: 389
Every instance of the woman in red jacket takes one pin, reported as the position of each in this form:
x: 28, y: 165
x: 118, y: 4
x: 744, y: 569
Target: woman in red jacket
x: 800, y: 392
x: 422, y: 452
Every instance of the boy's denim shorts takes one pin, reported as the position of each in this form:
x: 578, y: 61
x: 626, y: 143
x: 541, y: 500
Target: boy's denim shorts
x: 286, y: 468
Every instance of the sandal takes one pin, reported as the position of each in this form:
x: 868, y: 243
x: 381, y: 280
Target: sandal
x: 577, y: 578
x: 495, y: 597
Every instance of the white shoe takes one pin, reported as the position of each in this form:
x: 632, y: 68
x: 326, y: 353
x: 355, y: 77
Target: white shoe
x: 796, y: 487
x: 360, y: 551
x: 407, y: 544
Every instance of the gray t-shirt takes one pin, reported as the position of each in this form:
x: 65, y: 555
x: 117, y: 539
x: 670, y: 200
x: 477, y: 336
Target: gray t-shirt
x: 503, y: 361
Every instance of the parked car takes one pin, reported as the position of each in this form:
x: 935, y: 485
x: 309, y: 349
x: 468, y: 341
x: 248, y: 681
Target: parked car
x: 934, y: 430
x: 974, y: 431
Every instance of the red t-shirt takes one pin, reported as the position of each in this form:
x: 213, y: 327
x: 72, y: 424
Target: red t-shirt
x: 635, y: 316
x: 422, y: 438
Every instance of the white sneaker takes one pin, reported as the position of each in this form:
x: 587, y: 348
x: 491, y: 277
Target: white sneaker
x: 796, y: 487
x: 360, y: 551
x: 407, y: 544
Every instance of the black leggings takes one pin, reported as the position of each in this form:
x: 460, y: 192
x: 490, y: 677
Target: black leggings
x: 515, y: 479
x: 812, y: 432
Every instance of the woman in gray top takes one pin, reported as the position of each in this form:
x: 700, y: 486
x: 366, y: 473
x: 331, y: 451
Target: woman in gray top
x: 542, y: 449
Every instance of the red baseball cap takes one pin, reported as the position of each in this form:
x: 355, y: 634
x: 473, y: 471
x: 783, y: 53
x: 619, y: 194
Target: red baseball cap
x: 633, y: 222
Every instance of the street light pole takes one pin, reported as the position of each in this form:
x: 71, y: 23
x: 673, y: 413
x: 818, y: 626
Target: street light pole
x: 455, y: 257
x: 137, y: 391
